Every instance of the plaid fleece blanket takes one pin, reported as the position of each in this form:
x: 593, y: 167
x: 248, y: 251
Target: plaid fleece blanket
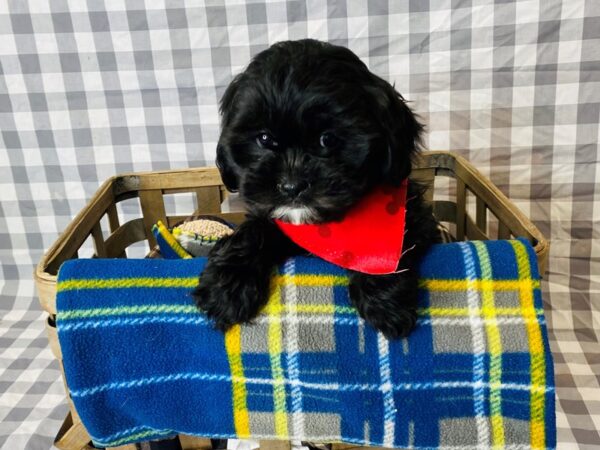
x: 142, y: 363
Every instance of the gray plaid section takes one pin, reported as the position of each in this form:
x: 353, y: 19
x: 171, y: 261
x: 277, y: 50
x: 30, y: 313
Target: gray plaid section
x: 88, y: 89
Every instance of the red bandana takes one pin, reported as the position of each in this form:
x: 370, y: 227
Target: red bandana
x: 369, y: 238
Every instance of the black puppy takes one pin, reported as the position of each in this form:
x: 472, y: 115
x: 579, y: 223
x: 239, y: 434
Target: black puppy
x: 307, y: 130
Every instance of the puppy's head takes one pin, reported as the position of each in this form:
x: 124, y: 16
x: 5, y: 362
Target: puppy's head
x: 307, y: 130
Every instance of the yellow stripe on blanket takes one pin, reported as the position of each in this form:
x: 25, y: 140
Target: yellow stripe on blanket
x: 190, y: 282
x: 536, y: 348
x: 274, y: 309
x: 233, y: 346
x: 485, y: 311
x: 494, y: 345
x: 118, y: 283
x: 488, y: 285
x: 311, y: 280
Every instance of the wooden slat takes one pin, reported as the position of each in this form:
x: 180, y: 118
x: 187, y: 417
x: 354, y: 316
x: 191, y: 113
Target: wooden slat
x: 153, y: 209
x: 224, y: 193
x: 209, y: 200
x: 503, y: 231
x: 127, y: 234
x: 461, y: 206
x: 72, y: 436
x: 275, y: 445
x: 113, y: 217
x: 98, y: 240
x: 480, y: 214
x: 205, y: 176
x: 113, y: 223
x: 342, y: 446
x: 184, y: 190
x: 473, y: 232
x: 170, y: 179
x: 194, y: 443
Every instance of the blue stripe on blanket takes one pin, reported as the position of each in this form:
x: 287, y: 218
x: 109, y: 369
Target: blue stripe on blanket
x: 142, y: 363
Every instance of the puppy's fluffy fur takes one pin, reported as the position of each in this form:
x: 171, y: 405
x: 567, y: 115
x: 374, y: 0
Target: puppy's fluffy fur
x: 307, y: 130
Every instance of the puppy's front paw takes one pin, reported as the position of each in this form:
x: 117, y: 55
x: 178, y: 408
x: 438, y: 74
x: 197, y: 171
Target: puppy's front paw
x: 393, y: 321
x: 387, y: 303
x: 230, y: 294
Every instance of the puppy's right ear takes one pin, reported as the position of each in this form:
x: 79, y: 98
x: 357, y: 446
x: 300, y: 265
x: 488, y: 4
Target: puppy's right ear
x: 230, y: 171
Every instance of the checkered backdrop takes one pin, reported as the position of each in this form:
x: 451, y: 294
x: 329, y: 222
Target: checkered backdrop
x: 89, y: 89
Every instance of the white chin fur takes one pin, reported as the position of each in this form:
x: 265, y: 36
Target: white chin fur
x: 295, y: 215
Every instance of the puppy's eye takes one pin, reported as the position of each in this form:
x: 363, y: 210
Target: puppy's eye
x: 328, y: 140
x: 266, y: 140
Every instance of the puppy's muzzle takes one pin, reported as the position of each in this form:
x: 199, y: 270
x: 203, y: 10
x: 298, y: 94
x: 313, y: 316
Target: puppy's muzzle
x: 292, y: 188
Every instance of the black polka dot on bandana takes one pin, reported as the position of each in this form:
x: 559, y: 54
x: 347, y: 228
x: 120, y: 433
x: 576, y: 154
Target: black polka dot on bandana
x: 395, y: 204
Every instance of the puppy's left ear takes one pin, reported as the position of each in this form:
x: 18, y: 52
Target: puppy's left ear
x: 401, y: 129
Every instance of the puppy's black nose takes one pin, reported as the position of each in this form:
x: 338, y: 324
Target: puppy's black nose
x: 292, y: 188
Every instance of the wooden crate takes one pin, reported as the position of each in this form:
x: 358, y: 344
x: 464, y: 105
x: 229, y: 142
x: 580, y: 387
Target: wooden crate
x: 465, y: 207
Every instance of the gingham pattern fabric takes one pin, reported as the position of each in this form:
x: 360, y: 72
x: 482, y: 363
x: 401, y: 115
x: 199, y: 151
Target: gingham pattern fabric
x: 476, y: 373
x: 89, y: 89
